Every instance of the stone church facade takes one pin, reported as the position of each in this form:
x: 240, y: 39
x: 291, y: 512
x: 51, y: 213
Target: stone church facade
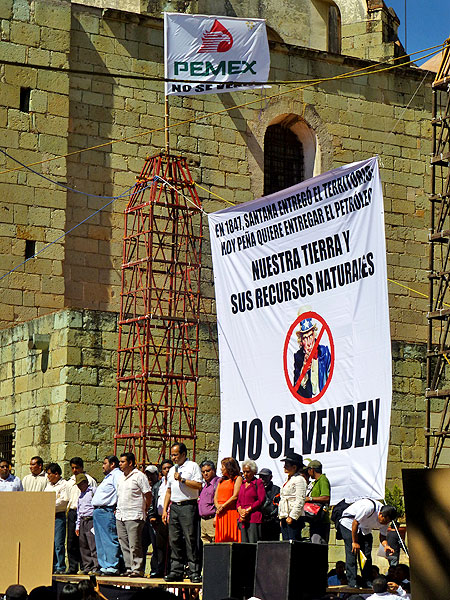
x: 59, y: 311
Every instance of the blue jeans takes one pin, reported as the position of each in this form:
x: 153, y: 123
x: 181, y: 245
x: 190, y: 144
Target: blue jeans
x: 59, y: 556
x: 106, y: 540
x: 291, y: 532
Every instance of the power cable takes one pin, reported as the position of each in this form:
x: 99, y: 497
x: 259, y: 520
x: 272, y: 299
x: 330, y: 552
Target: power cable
x: 358, y: 73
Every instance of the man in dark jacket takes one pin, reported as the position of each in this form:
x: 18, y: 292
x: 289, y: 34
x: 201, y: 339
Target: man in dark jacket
x: 270, y: 525
x: 155, y: 516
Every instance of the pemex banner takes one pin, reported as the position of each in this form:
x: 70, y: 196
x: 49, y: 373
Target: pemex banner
x: 303, y: 320
x: 218, y: 54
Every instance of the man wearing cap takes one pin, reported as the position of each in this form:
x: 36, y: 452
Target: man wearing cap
x: 104, y: 503
x: 84, y: 525
x: 316, y: 368
x: 155, y: 512
x: 73, y: 546
x: 318, y: 492
x: 149, y: 533
x: 270, y: 527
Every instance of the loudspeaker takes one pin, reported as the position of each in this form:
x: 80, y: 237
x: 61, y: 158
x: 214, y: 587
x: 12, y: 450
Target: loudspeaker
x: 228, y: 570
x: 291, y: 570
x: 427, y: 504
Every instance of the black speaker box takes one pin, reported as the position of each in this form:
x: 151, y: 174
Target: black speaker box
x: 228, y: 570
x: 427, y: 504
x: 291, y: 570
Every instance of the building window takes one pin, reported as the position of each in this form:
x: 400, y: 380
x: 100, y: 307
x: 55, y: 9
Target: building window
x: 24, y: 103
x: 283, y: 159
x: 6, y: 442
x: 30, y: 248
x: 334, y: 30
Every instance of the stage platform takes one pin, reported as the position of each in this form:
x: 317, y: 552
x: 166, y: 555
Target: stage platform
x: 190, y: 590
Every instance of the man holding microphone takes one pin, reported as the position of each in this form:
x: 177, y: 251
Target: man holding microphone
x: 184, y: 483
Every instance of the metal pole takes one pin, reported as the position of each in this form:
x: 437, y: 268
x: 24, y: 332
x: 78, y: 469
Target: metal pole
x: 166, y: 123
x: 431, y: 285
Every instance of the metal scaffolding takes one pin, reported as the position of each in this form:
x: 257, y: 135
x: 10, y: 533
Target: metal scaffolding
x: 438, y: 347
x: 157, y: 365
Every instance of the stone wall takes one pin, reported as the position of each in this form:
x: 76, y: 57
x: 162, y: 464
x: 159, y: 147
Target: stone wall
x: 374, y: 37
x: 31, y: 208
x: 62, y: 405
x: 351, y: 119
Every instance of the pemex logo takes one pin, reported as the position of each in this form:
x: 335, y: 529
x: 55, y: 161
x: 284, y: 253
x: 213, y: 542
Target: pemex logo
x: 218, y: 39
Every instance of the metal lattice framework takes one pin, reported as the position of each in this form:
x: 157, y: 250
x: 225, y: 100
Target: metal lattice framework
x: 157, y: 367
x: 438, y: 355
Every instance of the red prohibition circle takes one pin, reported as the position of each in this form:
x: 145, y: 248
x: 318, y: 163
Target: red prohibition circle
x: 325, y: 328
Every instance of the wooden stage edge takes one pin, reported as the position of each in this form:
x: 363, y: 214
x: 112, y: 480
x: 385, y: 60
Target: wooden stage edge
x: 130, y: 581
x: 141, y: 582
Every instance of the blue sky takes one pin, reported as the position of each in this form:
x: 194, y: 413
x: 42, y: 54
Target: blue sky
x: 427, y: 22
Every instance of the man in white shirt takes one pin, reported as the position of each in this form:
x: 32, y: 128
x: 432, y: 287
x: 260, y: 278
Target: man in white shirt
x: 184, y: 483
x: 8, y: 481
x: 36, y: 480
x: 73, y: 545
x: 104, y: 503
x: 356, y: 526
x: 133, y: 500
x: 58, y: 485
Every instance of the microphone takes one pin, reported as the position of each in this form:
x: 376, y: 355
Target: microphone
x: 176, y: 468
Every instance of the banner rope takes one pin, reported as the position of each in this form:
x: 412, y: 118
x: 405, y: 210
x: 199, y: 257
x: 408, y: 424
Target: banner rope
x: 308, y: 83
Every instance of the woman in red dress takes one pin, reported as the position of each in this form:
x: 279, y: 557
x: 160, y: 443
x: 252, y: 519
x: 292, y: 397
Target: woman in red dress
x: 225, y: 501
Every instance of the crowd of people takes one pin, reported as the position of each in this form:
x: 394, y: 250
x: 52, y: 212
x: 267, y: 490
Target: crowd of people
x: 394, y: 584
x: 179, y: 505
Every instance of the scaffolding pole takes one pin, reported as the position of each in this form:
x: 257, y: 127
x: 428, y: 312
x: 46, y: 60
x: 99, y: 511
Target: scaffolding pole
x: 157, y: 359
x: 438, y: 343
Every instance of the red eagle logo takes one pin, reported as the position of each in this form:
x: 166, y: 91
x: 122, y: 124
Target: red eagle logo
x: 218, y: 39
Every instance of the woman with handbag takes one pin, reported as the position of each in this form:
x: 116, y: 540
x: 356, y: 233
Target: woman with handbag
x: 316, y: 505
x: 292, y: 498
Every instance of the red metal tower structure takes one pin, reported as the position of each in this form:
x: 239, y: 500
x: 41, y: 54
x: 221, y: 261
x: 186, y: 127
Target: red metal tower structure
x: 437, y: 394
x: 157, y: 365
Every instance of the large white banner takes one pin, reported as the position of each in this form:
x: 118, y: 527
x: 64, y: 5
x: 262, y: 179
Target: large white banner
x: 303, y: 320
x: 218, y: 54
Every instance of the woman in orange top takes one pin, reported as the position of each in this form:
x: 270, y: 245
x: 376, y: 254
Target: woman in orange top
x: 225, y: 502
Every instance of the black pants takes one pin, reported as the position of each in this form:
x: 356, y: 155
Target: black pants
x: 250, y: 532
x: 73, y: 545
x: 270, y: 531
x: 183, y: 534
x: 149, y: 537
x: 394, y: 543
x: 162, y: 545
x: 319, y: 531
